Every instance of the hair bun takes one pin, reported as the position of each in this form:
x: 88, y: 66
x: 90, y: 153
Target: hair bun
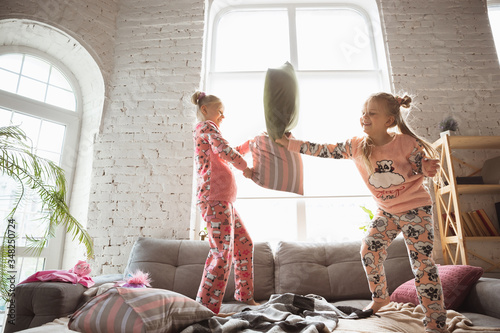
x: 403, y: 101
x: 197, y: 96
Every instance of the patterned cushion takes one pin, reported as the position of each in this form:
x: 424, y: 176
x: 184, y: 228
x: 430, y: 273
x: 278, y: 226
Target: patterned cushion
x: 138, y: 310
x: 275, y: 167
x: 457, y: 280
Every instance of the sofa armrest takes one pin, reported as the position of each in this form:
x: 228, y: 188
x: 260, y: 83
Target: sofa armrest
x: 37, y: 303
x: 484, y: 298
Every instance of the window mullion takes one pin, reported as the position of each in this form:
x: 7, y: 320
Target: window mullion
x: 47, y: 85
x: 19, y: 74
x: 301, y: 220
x: 292, y: 26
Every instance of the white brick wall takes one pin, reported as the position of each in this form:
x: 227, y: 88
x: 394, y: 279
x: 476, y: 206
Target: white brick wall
x: 443, y: 52
x: 143, y: 164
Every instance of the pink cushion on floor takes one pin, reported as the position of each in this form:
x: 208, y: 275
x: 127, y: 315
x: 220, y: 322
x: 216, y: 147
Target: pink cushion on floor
x: 457, y: 281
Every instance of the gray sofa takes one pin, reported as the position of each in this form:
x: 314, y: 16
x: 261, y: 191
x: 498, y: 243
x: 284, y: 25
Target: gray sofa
x: 331, y: 270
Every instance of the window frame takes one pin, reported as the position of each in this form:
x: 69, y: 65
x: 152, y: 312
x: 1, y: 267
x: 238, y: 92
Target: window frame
x: 54, y: 252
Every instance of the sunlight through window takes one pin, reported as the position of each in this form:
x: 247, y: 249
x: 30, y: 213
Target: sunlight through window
x: 334, y: 53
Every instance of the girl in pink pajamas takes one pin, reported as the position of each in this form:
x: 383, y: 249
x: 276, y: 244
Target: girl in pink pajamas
x: 216, y: 193
x: 393, y: 167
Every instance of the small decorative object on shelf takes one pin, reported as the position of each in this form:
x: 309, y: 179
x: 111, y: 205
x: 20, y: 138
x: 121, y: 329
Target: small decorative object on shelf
x: 448, y: 125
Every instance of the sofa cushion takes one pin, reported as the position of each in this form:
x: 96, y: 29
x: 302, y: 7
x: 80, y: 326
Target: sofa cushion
x: 334, y: 270
x: 456, y: 280
x: 138, y: 310
x: 177, y: 265
x: 484, y: 297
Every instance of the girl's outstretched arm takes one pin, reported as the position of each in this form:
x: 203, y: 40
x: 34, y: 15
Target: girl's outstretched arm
x: 244, y: 148
x: 338, y: 151
x: 220, y: 146
x: 341, y: 150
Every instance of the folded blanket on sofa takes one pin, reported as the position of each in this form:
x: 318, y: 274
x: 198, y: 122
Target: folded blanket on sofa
x: 282, y: 313
x: 407, y: 318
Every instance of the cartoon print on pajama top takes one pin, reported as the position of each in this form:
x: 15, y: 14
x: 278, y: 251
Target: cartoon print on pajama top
x: 384, y: 177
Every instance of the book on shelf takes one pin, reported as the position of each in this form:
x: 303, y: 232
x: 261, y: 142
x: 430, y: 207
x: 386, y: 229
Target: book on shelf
x: 482, y: 223
x: 469, y: 180
x: 469, y: 225
x: 497, y: 208
x: 478, y: 223
x: 488, y: 223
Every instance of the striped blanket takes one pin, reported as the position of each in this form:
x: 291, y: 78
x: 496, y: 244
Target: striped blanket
x: 289, y: 313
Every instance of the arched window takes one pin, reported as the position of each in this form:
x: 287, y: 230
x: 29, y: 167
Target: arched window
x: 337, y: 51
x: 38, y: 94
x: 36, y: 78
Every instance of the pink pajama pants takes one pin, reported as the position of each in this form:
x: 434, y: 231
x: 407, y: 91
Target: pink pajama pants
x: 417, y: 228
x: 229, y: 242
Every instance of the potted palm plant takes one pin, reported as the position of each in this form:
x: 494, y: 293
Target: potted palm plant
x: 47, y: 181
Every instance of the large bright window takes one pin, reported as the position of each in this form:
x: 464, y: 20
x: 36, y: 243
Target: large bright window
x: 339, y: 61
x: 37, y: 95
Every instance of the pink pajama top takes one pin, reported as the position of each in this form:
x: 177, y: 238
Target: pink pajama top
x: 397, y: 183
x: 213, y: 155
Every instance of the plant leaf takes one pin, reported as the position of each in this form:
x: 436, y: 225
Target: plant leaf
x: 44, y: 179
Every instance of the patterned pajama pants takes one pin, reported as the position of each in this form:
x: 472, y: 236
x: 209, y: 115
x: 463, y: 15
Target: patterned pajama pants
x: 417, y: 229
x: 229, y: 242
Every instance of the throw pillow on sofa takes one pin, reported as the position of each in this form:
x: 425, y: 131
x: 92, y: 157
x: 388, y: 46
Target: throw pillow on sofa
x: 456, y: 280
x: 281, y: 100
x: 138, y: 310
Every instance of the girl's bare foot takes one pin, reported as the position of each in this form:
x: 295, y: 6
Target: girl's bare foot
x: 224, y: 315
x: 375, y: 306
x: 252, y: 302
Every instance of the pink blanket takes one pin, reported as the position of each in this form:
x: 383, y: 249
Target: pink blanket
x: 61, y: 276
